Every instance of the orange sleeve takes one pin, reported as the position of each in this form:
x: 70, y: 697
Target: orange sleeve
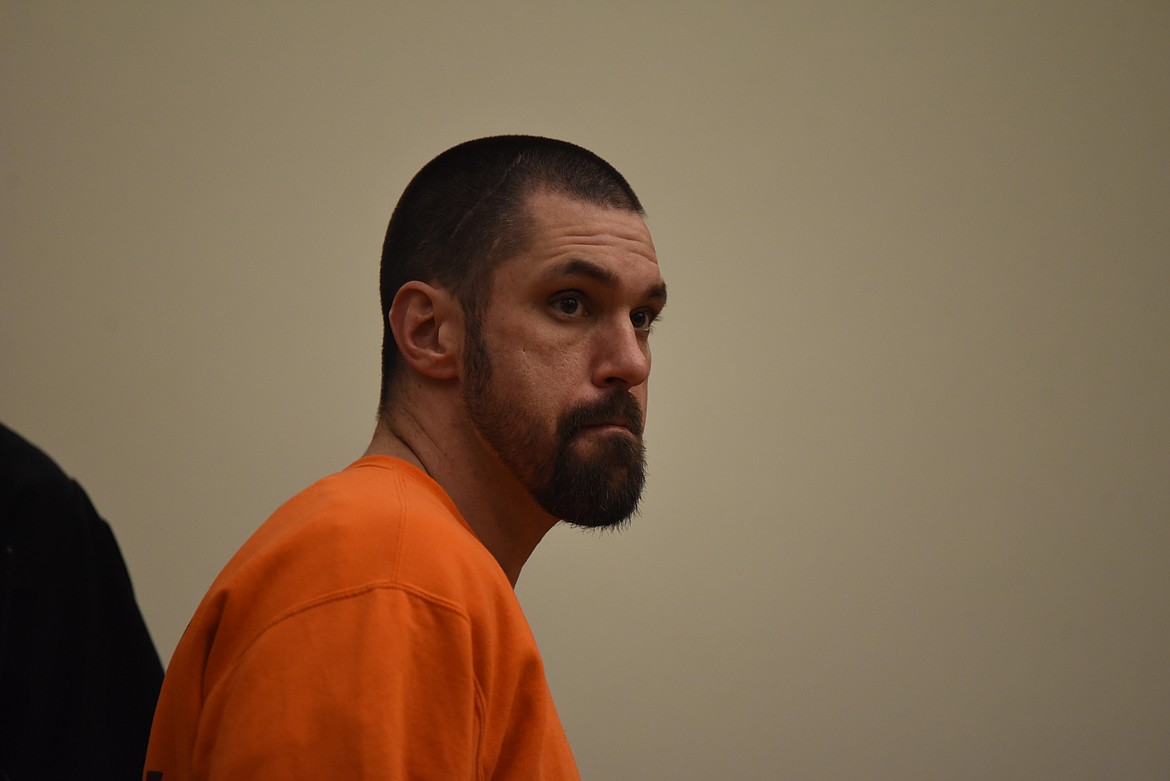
x: 373, y: 684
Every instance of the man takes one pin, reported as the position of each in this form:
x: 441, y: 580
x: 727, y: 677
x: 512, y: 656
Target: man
x: 79, y: 674
x: 369, y: 629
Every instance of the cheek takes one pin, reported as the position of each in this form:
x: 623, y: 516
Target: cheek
x: 538, y: 367
x: 551, y: 360
x: 642, y: 394
x: 535, y: 380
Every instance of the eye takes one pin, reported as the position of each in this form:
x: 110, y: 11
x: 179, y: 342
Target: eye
x: 643, y: 319
x: 568, y: 302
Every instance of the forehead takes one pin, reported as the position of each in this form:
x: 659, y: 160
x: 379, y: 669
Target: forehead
x: 562, y: 228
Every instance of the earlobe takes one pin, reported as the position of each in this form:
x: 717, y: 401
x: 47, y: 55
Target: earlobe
x: 426, y: 322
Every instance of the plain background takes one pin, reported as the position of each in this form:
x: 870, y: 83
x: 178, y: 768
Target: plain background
x: 909, y: 505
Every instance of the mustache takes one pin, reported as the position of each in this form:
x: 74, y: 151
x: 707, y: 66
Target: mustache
x: 620, y: 408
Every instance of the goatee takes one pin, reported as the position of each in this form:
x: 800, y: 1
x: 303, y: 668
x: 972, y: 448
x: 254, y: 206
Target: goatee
x: 593, y: 484
x: 601, y: 487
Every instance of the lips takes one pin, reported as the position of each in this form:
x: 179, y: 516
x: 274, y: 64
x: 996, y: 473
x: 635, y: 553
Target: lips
x: 620, y: 410
x: 609, y: 424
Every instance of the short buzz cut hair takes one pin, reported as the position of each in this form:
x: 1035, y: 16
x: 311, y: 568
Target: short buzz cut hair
x: 465, y: 212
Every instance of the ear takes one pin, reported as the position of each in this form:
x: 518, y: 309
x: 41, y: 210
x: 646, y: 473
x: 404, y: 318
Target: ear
x: 427, y: 323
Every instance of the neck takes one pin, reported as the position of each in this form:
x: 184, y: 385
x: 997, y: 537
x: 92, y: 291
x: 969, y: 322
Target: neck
x: 500, y: 511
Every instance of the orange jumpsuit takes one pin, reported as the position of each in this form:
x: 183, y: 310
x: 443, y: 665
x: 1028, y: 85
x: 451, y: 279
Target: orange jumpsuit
x: 362, y: 632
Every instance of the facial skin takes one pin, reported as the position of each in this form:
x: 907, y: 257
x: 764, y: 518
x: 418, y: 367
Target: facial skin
x: 555, y: 374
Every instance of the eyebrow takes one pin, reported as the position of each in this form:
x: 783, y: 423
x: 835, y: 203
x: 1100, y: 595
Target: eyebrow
x: 580, y: 267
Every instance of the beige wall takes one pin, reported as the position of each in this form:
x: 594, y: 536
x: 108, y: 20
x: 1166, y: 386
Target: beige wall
x: 909, y: 513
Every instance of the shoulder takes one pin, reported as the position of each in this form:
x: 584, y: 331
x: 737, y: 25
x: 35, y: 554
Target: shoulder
x: 363, y: 602
x: 380, y: 520
x: 376, y: 528
x: 37, y: 498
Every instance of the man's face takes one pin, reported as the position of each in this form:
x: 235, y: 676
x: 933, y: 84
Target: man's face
x: 556, y: 371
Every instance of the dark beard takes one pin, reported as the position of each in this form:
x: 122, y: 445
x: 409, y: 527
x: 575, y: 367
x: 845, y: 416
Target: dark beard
x: 601, y: 489
x: 595, y: 490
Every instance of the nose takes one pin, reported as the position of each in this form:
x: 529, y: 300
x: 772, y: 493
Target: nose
x: 622, y: 357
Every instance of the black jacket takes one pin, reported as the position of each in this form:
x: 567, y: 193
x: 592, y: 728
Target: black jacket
x: 79, y: 675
